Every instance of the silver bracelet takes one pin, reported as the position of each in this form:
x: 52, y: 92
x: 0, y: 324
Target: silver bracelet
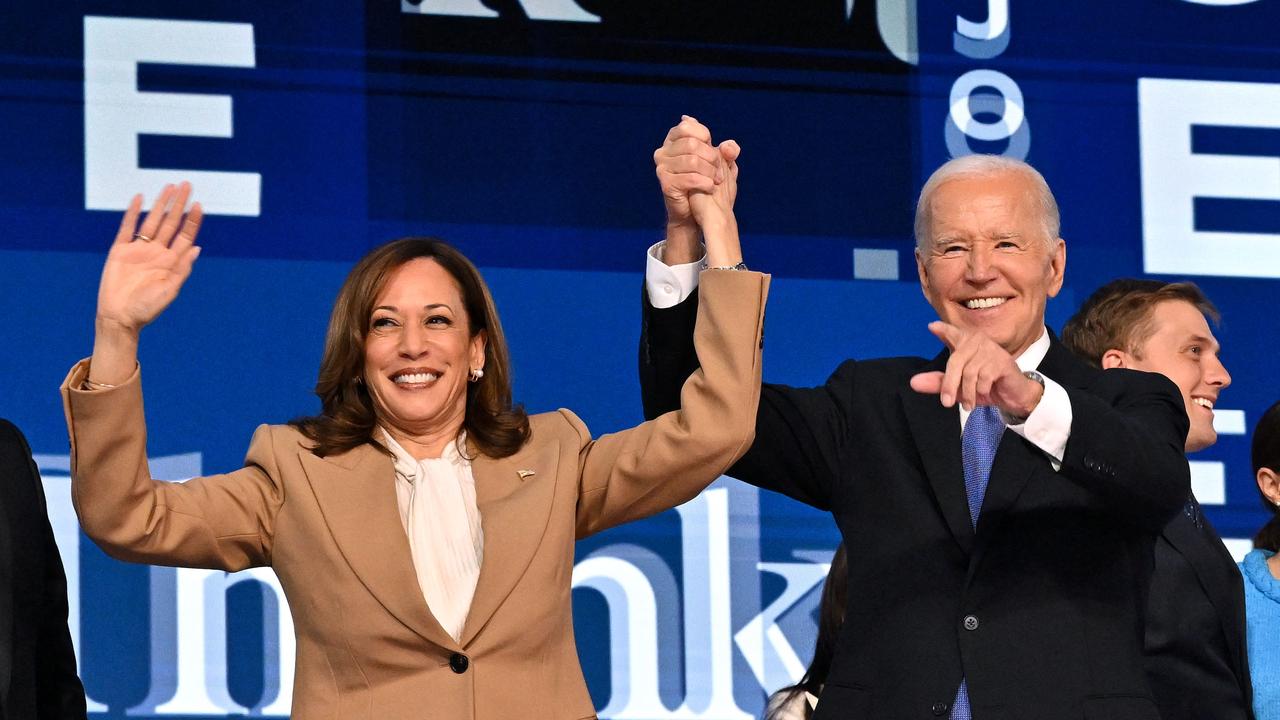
x: 88, y: 384
x: 739, y: 266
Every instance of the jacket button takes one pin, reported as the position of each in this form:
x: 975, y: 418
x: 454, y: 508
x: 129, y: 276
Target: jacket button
x: 970, y: 623
x: 458, y: 663
x: 939, y: 709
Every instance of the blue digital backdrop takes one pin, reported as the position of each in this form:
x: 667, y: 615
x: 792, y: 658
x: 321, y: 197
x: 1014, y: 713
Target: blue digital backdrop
x: 522, y: 131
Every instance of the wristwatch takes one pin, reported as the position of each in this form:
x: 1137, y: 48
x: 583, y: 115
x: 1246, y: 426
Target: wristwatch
x: 1014, y: 420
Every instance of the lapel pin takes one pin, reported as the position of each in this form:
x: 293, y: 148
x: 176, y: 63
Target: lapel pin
x: 524, y: 473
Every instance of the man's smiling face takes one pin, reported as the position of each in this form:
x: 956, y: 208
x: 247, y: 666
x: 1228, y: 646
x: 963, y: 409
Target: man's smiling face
x: 1182, y: 348
x: 986, y: 264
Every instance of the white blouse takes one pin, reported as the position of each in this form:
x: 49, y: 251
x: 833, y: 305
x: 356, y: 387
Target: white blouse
x: 437, y: 501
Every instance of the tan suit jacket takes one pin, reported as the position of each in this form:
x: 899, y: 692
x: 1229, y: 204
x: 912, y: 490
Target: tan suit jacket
x: 367, y: 645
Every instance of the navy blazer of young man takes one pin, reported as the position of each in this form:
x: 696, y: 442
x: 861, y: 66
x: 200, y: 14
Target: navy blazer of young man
x: 38, y: 678
x: 1040, y: 610
x: 1197, y: 660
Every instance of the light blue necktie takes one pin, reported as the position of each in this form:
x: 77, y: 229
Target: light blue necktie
x: 978, y: 443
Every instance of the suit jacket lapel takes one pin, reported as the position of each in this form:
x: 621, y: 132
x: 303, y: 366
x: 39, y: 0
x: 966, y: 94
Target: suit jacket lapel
x: 514, y: 495
x: 356, y: 492
x: 1215, y: 571
x: 1017, y: 459
x: 936, y: 431
x: 937, y: 437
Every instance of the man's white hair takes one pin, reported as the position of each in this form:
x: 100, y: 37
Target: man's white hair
x: 979, y: 166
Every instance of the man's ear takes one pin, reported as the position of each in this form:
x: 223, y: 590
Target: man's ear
x: 1114, y: 358
x: 1057, y: 266
x: 923, y: 272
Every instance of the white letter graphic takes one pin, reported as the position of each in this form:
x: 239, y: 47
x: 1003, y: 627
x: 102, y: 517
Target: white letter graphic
x: 986, y: 39
x: 1173, y: 176
x: 116, y: 112
x: 189, y: 636
x: 633, y: 617
x: 751, y: 639
x: 564, y: 10
x: 996, y: 24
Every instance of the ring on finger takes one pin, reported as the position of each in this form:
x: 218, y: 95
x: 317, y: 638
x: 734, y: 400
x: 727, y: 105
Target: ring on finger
x: 143, y: 238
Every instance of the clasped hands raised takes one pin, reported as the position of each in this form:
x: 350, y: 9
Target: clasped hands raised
x: 699, y: 186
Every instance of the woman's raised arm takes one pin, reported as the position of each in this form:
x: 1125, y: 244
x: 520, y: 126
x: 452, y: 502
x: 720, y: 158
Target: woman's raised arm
x: 145, y: 269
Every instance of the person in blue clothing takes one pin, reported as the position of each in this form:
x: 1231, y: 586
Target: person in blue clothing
x: 1261, y: 569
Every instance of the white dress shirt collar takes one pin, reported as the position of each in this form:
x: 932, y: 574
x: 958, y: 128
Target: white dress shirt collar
x: 1031, y: 358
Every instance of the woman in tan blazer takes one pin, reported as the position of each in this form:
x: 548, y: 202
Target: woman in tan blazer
x: 414, y: 379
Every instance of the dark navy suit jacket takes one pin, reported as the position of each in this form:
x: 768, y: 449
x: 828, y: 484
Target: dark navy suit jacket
x: 1197, y: 661
x: 1041, y: 609
x: 38, y: 678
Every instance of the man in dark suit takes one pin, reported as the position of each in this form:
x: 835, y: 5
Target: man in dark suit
x: 38, y: 678
x: 1197, y: 661
x: 998, y: 502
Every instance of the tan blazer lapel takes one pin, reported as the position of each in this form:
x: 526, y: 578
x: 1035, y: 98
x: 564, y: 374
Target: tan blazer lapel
x: 514, y: 496
x: 357, y: 496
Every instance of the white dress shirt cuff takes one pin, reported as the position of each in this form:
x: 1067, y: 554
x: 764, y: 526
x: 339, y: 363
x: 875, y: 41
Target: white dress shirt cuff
x: 669, y: 285
x: 1049, y: 426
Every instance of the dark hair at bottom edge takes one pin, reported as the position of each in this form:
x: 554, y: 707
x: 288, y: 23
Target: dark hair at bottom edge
x: 1268, y: 538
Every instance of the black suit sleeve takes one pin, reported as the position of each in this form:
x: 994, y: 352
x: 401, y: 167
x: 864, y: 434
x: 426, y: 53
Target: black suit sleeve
x: 799, y: 431
x: 59, y: 693
x: 667, y: 357
x: 1128, y: 448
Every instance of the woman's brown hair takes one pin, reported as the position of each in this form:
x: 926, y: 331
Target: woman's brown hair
x: 347, y: 419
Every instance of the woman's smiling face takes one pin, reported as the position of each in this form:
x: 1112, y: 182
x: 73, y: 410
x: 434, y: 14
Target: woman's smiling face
x: 419, y: 351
